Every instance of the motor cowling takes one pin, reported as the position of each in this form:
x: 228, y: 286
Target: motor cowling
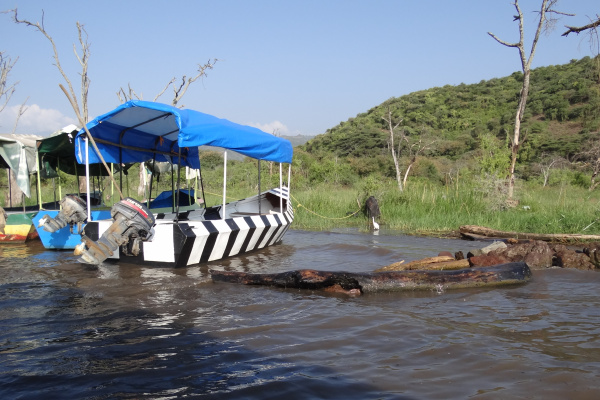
x: 132, y: 224
x: 72, y: 211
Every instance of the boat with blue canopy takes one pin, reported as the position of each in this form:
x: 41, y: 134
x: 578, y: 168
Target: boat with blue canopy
x: 140, y: 131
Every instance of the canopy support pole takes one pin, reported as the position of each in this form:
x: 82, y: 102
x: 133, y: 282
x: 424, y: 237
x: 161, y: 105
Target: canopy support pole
x: 9, y: 188
x: 87, y: 179
x: 258, y: 197
x: 178, y: 185
x: 280, y: 189
x: 59, y: 182
x: 224, y: 182
x: 289, y: 185
x: 172, y: 187
x: 39, y: 182
x: 202, y: 186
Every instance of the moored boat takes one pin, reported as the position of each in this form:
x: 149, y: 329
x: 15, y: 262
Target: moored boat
x: 138, y: 131
x: 18, y: 156
x: 18, y: 227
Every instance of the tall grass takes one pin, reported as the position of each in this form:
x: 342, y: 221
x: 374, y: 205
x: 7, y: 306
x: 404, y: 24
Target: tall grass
x: 431, y: 209
x: 423, y: 207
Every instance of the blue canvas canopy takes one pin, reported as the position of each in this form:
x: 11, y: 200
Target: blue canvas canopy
x: 137, y: 131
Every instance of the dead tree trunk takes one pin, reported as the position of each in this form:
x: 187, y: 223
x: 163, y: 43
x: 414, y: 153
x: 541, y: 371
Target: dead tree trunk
x: 395, y: 154
x: 545, y: 9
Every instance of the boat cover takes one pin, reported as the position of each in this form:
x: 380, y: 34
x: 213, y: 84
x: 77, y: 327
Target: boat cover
x: 137, y: 131
x: 18, y: 153
x: 57, y: 152
x: 165, y: 199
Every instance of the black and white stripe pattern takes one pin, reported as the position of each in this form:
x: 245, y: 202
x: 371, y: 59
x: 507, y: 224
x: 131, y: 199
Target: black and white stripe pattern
x: 214, y: 240
x: 193, y: 242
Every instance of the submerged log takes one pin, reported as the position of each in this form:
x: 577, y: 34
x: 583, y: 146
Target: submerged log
x: 357, y: 283
x: 474, y: 231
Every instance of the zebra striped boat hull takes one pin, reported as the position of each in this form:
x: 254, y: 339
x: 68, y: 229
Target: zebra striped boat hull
x: 191, y: 242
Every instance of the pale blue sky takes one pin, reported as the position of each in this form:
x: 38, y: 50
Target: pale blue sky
x: 297, y: 66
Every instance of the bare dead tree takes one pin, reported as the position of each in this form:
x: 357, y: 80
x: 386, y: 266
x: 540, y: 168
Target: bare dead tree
x: 391, y: 145
x: 178, y: 90
x: 545, y: 23
x: 6, y: 90
x: 411, y: 149
x: 415, y: 150
x: 547, y: 164
x: 129, y: 95
x: 83, y: 59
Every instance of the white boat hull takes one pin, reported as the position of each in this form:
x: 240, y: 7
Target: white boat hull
x: 190, y: 241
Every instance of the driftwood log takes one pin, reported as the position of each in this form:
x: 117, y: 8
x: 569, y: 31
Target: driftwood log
x: 478, y: 232
x: 358, y: 283
x: 440, y: 262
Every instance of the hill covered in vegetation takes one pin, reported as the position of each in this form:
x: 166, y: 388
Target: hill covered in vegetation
x: 563, y: 112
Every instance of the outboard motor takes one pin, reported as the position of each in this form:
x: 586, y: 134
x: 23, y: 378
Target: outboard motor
x: 132, y: 224
x: 73, y: 211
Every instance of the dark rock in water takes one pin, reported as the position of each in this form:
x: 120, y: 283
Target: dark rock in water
x: 539, y: 254
x: 459, y: 255
x: 536, y: 254
x: 487, y: 260
x: 568, y: 258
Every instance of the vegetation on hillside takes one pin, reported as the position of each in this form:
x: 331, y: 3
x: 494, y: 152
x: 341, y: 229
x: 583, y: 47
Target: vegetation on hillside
x: 472, y: 124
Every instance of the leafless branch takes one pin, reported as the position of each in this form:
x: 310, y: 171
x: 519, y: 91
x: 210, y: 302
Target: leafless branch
x: 575, y: 29
x: 6, y: 92
x: 130, y: 95
x: 179, y: 91
x: 165, y: 89
x: 83, y: 61
x: 20, y: 113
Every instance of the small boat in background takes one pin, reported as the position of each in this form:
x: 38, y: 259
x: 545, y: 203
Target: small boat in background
x: 18, y: 155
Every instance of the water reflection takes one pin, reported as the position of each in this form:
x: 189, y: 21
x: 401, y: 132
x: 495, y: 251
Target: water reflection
x: 126, y: 331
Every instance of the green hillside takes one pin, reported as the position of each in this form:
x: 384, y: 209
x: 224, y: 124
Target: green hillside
x: 563, y: 111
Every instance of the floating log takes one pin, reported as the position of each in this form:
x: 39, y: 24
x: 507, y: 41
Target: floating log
x: 357, y: 283
x: 474, y: 231
x: 430, y: 263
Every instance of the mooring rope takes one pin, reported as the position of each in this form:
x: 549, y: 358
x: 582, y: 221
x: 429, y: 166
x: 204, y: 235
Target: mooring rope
x: 322, y: 216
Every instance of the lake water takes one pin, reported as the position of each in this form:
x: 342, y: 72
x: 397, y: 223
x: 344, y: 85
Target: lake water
x: 126, y: 332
